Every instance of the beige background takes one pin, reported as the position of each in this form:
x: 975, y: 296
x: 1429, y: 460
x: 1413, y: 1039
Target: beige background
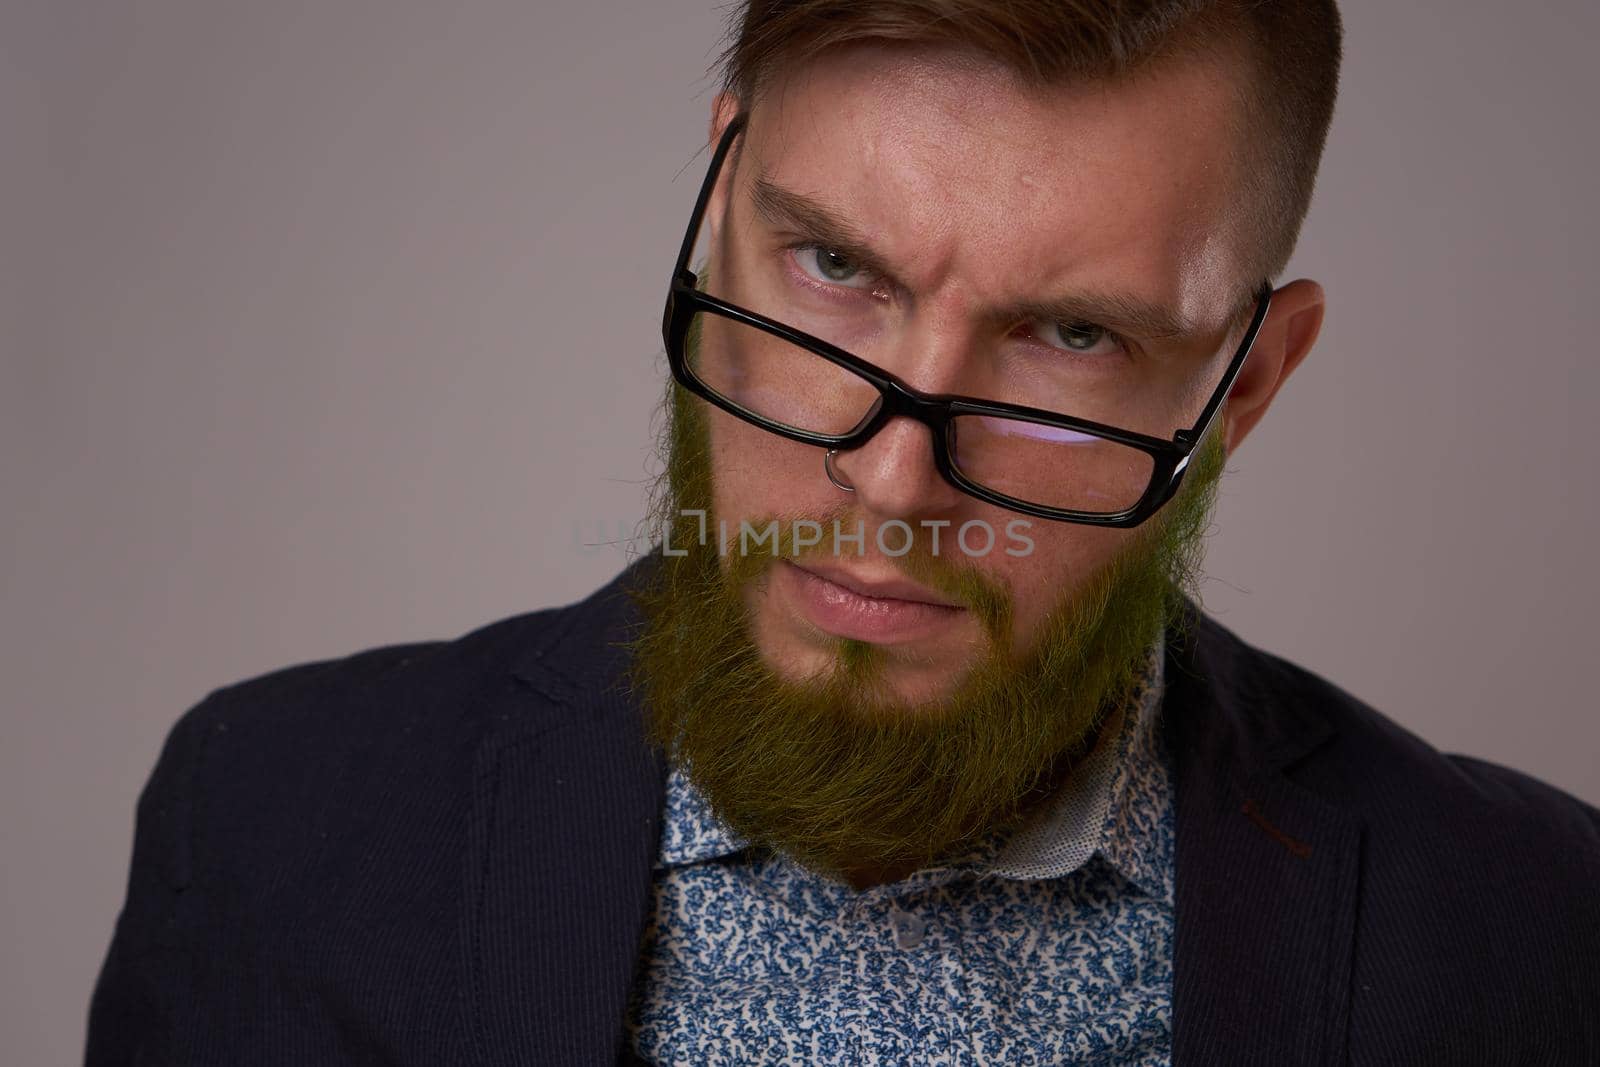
x: 331, y: 324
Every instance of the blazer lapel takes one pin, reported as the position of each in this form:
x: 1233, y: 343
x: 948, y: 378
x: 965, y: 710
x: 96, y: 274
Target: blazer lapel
x: 1266, y: 871
x: 564, y: 831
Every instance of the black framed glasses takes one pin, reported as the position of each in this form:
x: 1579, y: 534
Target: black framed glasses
x: 794, y: 376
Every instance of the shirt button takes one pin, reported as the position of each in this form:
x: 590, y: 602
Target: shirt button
x: 908, y: 928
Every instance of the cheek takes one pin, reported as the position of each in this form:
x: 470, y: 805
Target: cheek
x: 1064, y: 558
x: 756, y: 473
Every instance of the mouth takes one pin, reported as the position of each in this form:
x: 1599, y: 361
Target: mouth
x: 878, y: 610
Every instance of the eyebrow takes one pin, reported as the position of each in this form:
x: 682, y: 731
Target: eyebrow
x: 816, y: 223
x: 1122, y: 312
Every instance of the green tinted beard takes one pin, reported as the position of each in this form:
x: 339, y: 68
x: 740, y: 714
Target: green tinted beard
x: 834, y: 771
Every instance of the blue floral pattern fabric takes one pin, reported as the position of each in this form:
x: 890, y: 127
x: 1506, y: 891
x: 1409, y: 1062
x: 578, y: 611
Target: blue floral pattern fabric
x: 1050, y: 946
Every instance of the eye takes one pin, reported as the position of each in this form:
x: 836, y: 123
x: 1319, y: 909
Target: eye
x: 831, y: 267
x: 1077, y: 337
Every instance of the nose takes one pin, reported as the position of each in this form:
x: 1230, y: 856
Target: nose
x: 893, y: 475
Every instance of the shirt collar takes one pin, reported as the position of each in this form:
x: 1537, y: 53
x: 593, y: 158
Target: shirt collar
x: 1116, y: 803
x: 1113, y: 804
x: 691, y: 833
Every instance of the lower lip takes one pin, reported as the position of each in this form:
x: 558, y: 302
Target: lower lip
x: 844, y: 613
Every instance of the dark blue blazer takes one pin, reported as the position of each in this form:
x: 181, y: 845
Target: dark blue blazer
x: 440, y: 854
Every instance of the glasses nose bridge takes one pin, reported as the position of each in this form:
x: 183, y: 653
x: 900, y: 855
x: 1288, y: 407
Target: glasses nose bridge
x: 902, y: 401
x: 939, y: 349
x: 901, y: 475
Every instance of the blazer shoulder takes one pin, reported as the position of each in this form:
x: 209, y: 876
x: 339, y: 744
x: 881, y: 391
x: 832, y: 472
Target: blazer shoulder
x: 1478, y: 882
x: 1478, y: 885
x: 347, y: 729
x: 344, y: 693
x: 266, y: 774
x: 309, y: 806
x: 1514, y: 791
x: 1352, y: 754
x: 1372, y: 735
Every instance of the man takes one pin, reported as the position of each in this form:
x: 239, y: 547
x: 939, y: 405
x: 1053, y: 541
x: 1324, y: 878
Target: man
x: 903, y: 744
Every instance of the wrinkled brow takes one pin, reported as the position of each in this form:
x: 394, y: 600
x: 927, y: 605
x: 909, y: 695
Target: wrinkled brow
x: 815, y: 222
x: 1123, y: 312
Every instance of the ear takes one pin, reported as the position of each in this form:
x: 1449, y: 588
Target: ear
x: 1285, y: 338
x: 724, y: 108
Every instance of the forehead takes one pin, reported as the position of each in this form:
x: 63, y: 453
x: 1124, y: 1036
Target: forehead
x: 973, y: 183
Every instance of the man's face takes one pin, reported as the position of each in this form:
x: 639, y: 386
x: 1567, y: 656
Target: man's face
x: 861, y: 732
x: 973, y: 194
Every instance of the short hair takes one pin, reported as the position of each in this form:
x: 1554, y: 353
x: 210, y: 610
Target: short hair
x: 1294, y: 48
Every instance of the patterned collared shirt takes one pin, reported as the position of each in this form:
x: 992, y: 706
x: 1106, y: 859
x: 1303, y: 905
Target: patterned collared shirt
x: 1051, y: 947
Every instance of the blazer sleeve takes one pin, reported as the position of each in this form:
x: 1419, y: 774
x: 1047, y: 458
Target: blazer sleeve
x: 145, y: 982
